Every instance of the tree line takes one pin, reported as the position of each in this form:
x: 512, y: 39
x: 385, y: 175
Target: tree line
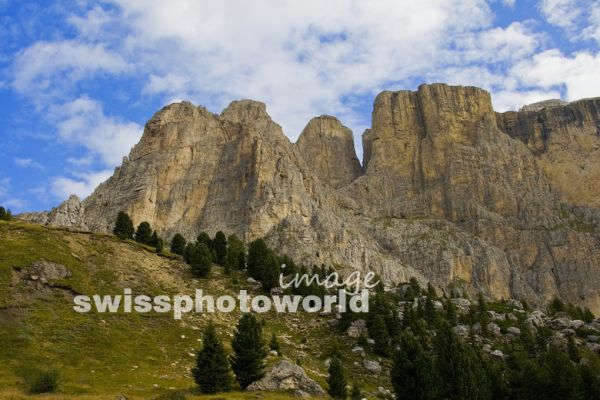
x: 5, y: 214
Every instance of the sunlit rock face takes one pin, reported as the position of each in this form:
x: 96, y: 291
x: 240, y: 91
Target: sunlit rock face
x: 449, y: 192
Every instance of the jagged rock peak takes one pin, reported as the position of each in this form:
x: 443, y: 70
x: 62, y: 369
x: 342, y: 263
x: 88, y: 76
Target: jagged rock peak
x: 245, y: 110
x: 328, y: 147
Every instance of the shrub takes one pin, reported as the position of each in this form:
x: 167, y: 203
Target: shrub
x: 40, y: 381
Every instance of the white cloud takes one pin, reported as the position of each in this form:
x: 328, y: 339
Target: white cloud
x: 83, y: 122
x: 45, y: 69
x: 82, y: 185
x: 6, y: 200
x: 92, y: 24
x: 577, y: 74
x: 562, y: 13
x: 301, y: 58
x: 580, y: 19
x: 28, y: 162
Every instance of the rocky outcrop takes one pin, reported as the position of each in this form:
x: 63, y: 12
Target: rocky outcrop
x: 450, y: 192
x: 327, y: 146
x: 287, y: 376
x: 566, y: 141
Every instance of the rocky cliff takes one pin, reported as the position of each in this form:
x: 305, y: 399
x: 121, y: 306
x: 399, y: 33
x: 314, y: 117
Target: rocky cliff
x: 449, y: 192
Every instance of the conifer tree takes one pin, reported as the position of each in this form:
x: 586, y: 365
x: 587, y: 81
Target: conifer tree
x: 220, y: 247
x: 451, y: 312
x: 201, y: 260
x: 5, y: 215
x: 430, y: 312
x: 249, y: 349
x: 143, y: 233
x: 203, y: 237
x: 572, y: 349
x: 460, y: 371
x: 380, y: 334
x: 178, y: 244
x: 257, y: 258
x: 336, y: 380
x: 412, y: 373
x: 270, y: 275
x: 236, y: 257
x: 212, y: 372
x: 124, y: 226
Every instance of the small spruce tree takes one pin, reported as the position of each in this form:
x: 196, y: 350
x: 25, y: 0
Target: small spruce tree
x: 5, y: 215
x: 201, y: 260
x: 212, y: 372
x: 236, y: 257
x: 143, y: 234
x: 124, y: 226
x: 336, y: 380
x: 220, y: 247
x: 257, y: 258
x: 412, y: 374
x: 379, y: 333
x: 178, y: 244
x: 248, y: 360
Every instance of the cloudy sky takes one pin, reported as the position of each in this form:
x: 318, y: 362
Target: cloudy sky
x: 78, y: 79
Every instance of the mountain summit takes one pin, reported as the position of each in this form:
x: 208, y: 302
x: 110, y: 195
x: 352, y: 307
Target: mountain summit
x: 449, y: 192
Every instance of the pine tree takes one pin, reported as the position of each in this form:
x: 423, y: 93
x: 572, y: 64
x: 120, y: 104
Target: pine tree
x: 178, y: 244
x: 459, y: 368
x: 271, y: 272
x: 430, y: 312
x: 5, y: 215
x: 336, y: 380
x: 379, y: 333
x: 250, y: 351
x: 124, y: 226
x: 412, y: 373
x: 572, y: 349
x: 274, y: 344
x: 257, y: 258
x: 451, y: 312
x: 154, y: 239
x: 212, y: 372
x: 236, y: 257
x: 203, y: 237
x: 143, y: 233
x: 220, y: 247
x: 201, y: 260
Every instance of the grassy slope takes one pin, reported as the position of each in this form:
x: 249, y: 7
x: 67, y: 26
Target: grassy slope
x: 140, y: 355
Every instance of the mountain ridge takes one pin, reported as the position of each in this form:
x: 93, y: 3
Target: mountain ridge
x: 450, y: 191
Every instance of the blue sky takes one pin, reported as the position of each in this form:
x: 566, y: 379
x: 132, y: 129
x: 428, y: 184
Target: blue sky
x: 78, y: 79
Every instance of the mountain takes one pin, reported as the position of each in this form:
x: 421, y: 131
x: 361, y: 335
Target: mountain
x: 449, y: 191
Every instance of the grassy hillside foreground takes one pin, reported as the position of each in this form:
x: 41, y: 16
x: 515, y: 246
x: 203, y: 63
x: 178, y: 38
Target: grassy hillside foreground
x: 100, y: 356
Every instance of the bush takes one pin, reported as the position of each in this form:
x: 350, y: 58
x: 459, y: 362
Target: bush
x: 40, y: 381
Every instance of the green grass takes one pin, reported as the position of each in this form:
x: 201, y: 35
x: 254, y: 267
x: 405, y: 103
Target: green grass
x: 139, y: 355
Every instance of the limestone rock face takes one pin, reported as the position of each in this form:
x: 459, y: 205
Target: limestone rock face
x: 450, y: 192
x: 566, y: 141
x: 327, y: 146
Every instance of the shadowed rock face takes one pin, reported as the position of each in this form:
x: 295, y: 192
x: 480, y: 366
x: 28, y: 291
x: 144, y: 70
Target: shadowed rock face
x: 452, y: 192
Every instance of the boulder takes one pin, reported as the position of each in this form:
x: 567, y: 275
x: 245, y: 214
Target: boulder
x: 514, y: 331
x: 357, y: 329
x: 559, y: 324
x: 372, y: 366
x: 461, y: 330
x: 493, y: 329
x: 287, y: 376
